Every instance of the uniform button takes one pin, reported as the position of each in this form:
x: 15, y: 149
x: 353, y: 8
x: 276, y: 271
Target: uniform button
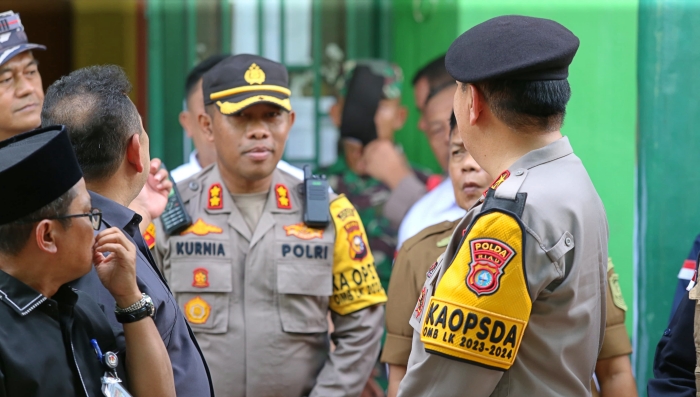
x: 667, y: 332
x: 519, y: 172
x: 193, y: 185
x: 567, y: 241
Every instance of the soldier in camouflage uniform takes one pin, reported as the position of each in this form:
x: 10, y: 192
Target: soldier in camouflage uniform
x: 380, y: 201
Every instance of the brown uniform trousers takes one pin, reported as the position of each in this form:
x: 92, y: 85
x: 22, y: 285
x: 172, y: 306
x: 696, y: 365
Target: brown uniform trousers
x: 258, y: 300
x: 422, y: 250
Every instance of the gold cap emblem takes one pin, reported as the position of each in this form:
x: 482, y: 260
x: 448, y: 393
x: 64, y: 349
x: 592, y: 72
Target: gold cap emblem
x: 254, y: 75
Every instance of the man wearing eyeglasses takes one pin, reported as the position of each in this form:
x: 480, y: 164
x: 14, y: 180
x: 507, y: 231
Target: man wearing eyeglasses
x: 49, y: 332
x: 113, y: 151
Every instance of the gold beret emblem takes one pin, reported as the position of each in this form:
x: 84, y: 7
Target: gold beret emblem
x: 254, y: 75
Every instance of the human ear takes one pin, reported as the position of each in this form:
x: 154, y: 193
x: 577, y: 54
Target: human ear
x: 475, y: 103
x: 184, y: 119
x: 336, y: 113
x: 45, y: 236
x: 133, y: 153
x: 206, y: 123
x: 401, y: 115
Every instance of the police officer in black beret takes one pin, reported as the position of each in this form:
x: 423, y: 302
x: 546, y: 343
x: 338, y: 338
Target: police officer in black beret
x: 515, y: 305
x: 55, y: 340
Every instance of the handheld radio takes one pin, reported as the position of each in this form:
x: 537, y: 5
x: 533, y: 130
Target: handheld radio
x: 316, y: 200
x: 174, y: 218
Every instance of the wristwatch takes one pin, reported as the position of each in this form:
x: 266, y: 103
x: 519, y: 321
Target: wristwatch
x: 138, y: 311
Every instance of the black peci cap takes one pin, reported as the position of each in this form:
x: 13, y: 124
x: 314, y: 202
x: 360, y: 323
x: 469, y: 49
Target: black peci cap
x: 13, y: 39
x: 512, y: 47
x: 243, y: 80
x: 36, y: 168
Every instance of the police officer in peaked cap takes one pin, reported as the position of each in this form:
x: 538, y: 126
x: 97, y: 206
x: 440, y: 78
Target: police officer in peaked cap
x: 256, y: 283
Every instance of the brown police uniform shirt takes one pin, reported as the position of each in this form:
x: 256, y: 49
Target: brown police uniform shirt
x: 515, y: 305
x: 617, y: 341
x: 258, y: 300
x: 414, y: 259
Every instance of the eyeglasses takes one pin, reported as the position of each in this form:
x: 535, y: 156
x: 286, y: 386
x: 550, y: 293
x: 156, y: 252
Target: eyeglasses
x: 95, y: 216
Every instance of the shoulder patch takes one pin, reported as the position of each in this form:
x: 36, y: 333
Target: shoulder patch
x: 482, y: 305
x: 616, y: 292
x: 149, y: 236
x: 356, y: 283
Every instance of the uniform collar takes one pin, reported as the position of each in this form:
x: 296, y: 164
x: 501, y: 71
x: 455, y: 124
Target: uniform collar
x: 193, y: 159
x: 115, y: 214
x: 214, y: 181
x: 555, y: 150
x: 18, y: 295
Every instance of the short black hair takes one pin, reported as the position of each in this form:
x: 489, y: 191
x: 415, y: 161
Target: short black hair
x: 14, y: 235
x: 538, y: 105
x: 198, y: 72
x: 94, y: 106
x: 435, y: 72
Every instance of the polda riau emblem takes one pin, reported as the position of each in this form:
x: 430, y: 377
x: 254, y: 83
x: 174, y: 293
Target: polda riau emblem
x: 358, y: 248
x: 489, y: 259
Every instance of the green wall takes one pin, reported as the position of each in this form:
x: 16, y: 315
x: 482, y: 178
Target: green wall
x: 668, y: 150
x: 420, y: 34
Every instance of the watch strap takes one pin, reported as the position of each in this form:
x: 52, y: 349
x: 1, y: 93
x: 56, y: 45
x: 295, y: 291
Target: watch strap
x: 136, y: 315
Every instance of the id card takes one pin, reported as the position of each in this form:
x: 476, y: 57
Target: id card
x: 111, y: 387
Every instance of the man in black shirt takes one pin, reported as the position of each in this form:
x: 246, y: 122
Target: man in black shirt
x: 112, y: 149
x: 47, y: 329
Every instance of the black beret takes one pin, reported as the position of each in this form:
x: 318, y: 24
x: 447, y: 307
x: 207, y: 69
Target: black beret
x: 512, y: 47
x: 364, y: 91
x: 243, y: 80
x: 36, y: 168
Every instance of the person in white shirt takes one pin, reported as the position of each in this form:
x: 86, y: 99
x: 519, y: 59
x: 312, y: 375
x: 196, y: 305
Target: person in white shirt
x: 205, y: 153
x: 433, y: 89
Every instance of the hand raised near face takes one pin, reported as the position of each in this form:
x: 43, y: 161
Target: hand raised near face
x: 153, y: 198
x: 384, y: 162
x: 114, y: 257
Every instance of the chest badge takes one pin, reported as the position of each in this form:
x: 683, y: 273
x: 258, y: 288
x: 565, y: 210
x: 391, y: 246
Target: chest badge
x: 283, y: 200
x: 201, y: 228
x: 358, y: 247
x: 489, y: 258
x: 216, y: 199
x: 200, y: 278
x: 197, y: 310
x: 301, y: 231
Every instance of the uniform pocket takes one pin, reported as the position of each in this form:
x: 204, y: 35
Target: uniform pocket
x: 203, y: 292
x: 304, y: 290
